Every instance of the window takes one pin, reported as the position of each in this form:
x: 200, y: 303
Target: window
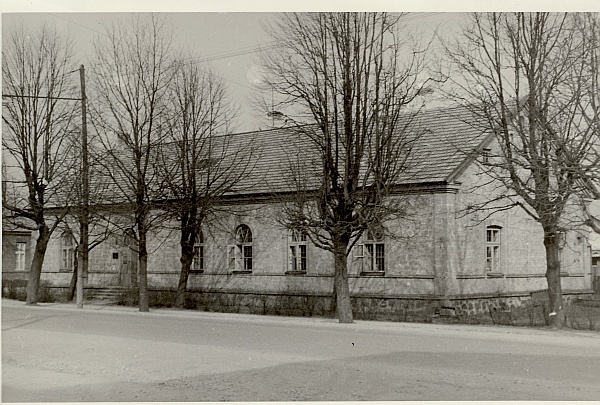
x: 20, y: 253
x: 485, y: 155
x: 297, y: 252
x: 239, y: 256
x: 198, y: 260
x: 375, y: 251
x: 372, y: 252
x: 492, y: 249
x: 67, y: 252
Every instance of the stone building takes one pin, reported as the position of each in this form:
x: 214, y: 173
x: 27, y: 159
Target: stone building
x: 248, y: 262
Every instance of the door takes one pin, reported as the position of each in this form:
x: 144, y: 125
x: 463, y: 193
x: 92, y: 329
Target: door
x: 128, y: 263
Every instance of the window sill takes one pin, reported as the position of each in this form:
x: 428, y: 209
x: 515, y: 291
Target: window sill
x: 372, y: 273
x: 295, y: 273
x: 196, y: 271
x: 241, y: 272
x: 533, y: 275
x: 495, y: 275
x: 65, y: 270
x: 469, y: 276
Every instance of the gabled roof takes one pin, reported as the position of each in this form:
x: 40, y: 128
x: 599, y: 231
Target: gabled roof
x: 450, y: 138
x: 447, y: 138
x: 445, y: 142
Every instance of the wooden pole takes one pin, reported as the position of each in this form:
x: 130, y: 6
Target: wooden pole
x: 82, y: 268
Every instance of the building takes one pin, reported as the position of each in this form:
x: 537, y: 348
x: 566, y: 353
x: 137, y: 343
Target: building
x: 247, y: 261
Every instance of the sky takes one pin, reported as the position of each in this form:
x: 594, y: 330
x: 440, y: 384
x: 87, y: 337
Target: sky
x: 227, y: 42
x: 223, y: 35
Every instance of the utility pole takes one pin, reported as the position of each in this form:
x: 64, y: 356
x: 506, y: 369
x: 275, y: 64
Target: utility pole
x: 84, y: 214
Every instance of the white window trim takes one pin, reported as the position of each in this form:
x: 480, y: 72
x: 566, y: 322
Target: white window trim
x: 195, y: 267
x: 369, y: 260
x: 372, y: 257
x: 297, y: 245
x: 358, y: 251
x: 236, y: 261
x: 496, y: 259
x: 20, y: 256
x: 67, y: 256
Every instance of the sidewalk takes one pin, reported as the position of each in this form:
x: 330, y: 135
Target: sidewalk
x: 564, y: 336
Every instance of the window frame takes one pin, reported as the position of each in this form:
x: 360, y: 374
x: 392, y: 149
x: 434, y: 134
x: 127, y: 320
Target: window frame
x: 240, y: 257
x: 486, y: 154
x: 20, y: 256
x: 493, y: 250
x: 297, y: 252
x: 67, y: 252
x: 372, y: 253
x: 197, y: 265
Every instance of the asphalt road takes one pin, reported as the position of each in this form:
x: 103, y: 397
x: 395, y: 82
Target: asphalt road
x: 56, y: 353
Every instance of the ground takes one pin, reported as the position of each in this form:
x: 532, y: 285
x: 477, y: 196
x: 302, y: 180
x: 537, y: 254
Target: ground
x: 54, y: 352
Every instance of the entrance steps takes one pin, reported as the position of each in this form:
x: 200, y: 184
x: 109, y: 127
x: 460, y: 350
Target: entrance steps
x: 104, y: 295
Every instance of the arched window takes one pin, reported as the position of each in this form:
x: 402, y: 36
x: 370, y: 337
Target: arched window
x: 67, y: 248
x: 297, y: 251
x: 240, y: 254
x: 375, y: 250
x: 493, y: 241
x: 198, y: 260
x: 371, y: 252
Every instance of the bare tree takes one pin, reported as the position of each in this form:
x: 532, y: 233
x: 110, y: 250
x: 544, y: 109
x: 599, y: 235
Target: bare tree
x: 38, y: 110
x: 525, y: 77
x: 201, y: 163
x: 131, y: 78
x: 351, y: 77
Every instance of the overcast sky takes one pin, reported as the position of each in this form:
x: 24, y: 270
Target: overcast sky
x: 228, y: 43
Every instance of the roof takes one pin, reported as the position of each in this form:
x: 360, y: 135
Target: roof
x: 443, y: 141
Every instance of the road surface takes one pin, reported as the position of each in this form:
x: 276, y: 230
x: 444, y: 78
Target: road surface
x: 56, y: 353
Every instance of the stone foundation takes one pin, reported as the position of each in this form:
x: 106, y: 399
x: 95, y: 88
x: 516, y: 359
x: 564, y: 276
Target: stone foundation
x: 516, y: 309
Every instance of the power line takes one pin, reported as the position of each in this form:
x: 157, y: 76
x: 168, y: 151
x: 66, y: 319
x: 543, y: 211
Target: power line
x: 243, y: 50
x: 206, y: 58
x: 233, y: 53
x: 50, y: 98
x: 73, y: 22
x: 419, y: 16
x: 247, y: 49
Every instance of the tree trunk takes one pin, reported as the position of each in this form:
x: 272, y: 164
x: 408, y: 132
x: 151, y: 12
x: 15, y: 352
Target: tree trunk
x: 333, y: 301
x: 33, y: 284
x: 551, y: 242
x: 187, y: 255
x: 343, y: 304
x: 73, y: 283
x: 81, y: 271
x: 143, y: 269
x: 186, y: 241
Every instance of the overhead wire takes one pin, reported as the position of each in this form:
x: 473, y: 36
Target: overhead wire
x: 246, y: 50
